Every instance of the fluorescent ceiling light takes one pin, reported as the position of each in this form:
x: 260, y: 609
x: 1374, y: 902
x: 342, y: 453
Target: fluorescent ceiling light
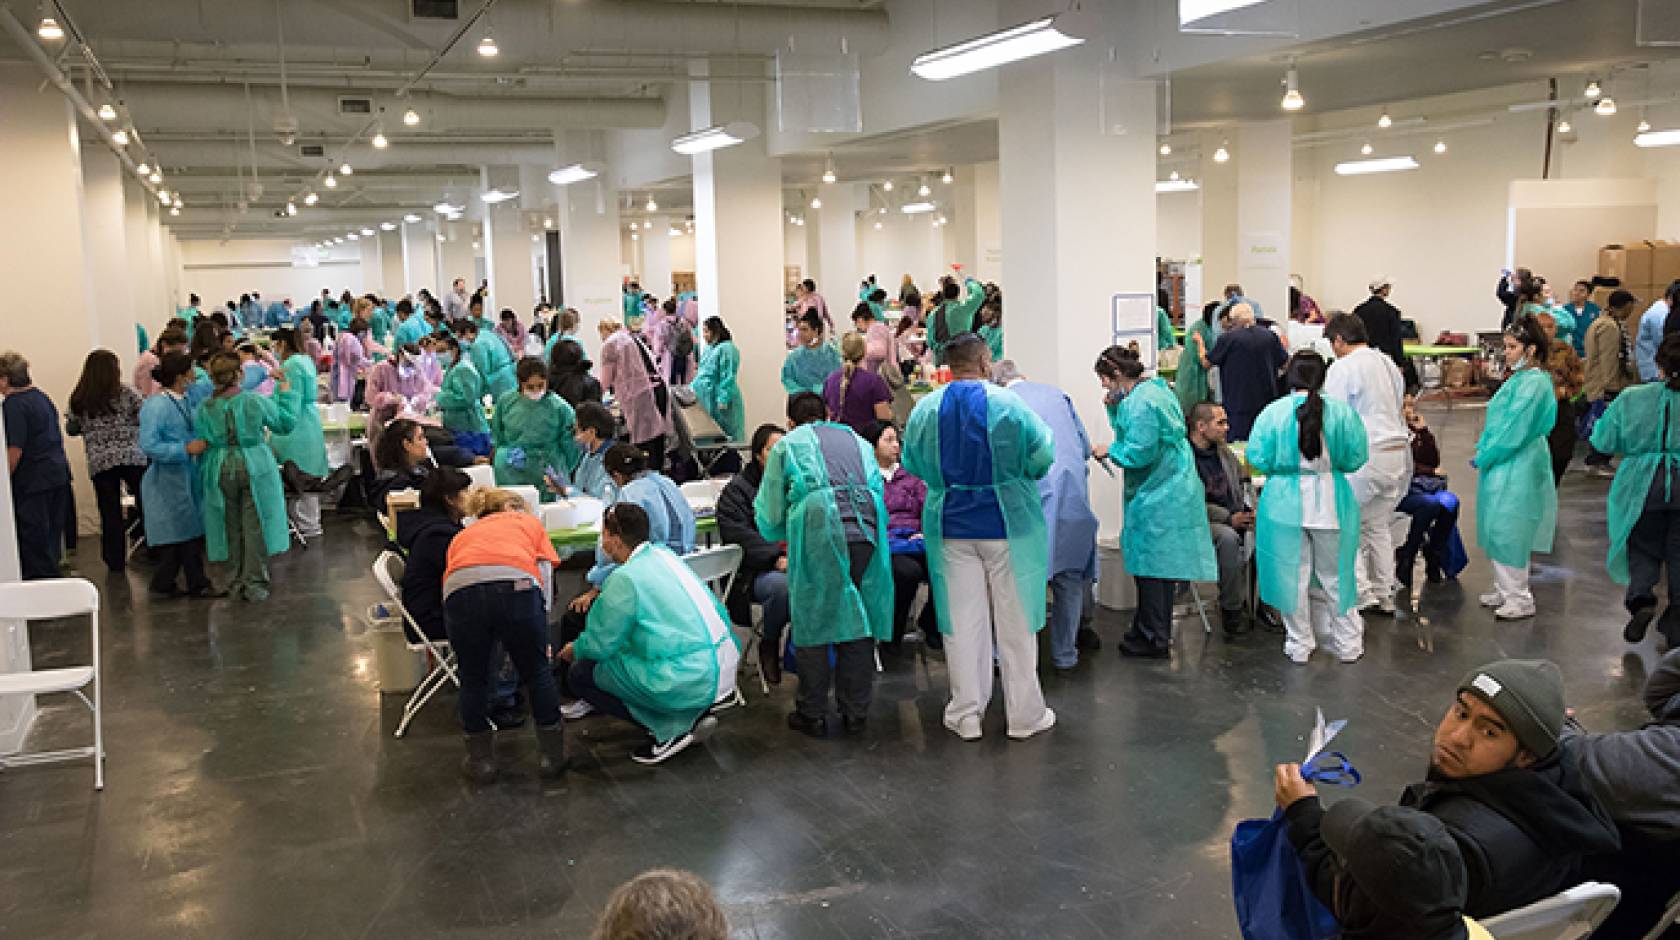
x: 715, y: 137
x: 411, y: 218
x: 916, y: 208
x: 1176, y: 186
x: 1379, y: 165
x: 1667, y: 138
x: 576, y: 173
x: 493, y: 196
x: 992, y: 50
x: 353, y: 237
x: 444, y: 208
x: 367, y: 233
x: 1189, y: 11
x: 387, y: 227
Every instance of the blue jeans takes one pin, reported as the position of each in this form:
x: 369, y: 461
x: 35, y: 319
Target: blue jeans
x: 479, y: 616
x: 1433, y: 517
x: 770, y: 591
x: 1069, y: 594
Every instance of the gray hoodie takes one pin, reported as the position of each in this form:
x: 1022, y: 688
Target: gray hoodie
x: 1633, y: 773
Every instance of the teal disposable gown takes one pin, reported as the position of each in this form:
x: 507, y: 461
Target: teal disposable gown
x: 1164, y: 336
x: 460, y: 399
x: 491, y: 357
x: 807, y: 368
x: 304, y: 445
x: 411, y: 330
x: 959, y: 317
x: 170, y: 487
x: 141, y: 339
x: 717, y: 390
x: 1191, y: 382
x: 1274, y: 449
x: 1643, y: 423
x: 1164, y: 529
x: 797, y: 504
x: 244, y: 418
x: 532, y: 437
x: 993, y: 335
x: 1516, y: 501
x: 1022, y: 451
x: 660, y: 640
x: 380, y: 326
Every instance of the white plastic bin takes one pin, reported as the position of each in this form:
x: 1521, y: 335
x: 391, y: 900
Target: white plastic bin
x: 1115, y: 588
x: 399, y: 668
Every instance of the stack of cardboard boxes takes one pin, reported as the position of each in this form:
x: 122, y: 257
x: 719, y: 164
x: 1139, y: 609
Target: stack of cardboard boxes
x: 1645, y: 268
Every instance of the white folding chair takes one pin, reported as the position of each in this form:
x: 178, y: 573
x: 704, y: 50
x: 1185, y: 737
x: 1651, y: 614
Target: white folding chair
x: 1670, y: 918
x: 716, y: 568
x: 1201, y: 609
x: 388, y: 571
x: 1571, y: 915
x: 705, y: 491
x: 135, y: 532
x: 47, y: 600
x: 482, y: 474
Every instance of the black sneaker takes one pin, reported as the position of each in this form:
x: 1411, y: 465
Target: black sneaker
x: 933, y: 639
x: 856, y: 724
x: 1639, y: 623
x: 1235, y: 623
x: 1087, y: 640
x: 815, y: 727
x: 657, y: 752
x: 1143, y: 649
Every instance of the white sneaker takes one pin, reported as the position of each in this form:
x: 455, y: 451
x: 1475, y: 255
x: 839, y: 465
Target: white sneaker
x: 968, y: 729
x: 704, y: 727
x: 1044, y: 724
x: 1300, y: 658
x: 657, y: 752
x: 575, y: 709
x: 1494, y: 599
x: 1515, y: 610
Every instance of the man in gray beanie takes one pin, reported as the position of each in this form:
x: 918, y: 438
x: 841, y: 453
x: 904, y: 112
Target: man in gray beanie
x: 1516, y: 804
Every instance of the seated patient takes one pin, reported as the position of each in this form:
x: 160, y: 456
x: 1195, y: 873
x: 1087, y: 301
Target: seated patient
x: 1230, y: 516
x: 1518, y: 806
x: 657, y: 649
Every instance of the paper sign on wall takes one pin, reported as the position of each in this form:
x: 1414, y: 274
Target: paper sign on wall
x: 1133, y: 320
x: 1261, y: 250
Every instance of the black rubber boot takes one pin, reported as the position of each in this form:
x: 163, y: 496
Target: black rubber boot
x: 551, y: 747
x: 479, y: 766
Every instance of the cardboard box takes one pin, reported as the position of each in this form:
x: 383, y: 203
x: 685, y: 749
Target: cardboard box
x: 1665, y: 263
x: 1631, y: 263
x: 1647, y: 294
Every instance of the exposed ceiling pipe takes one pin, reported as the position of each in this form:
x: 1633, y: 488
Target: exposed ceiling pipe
x: 366, y: 76
x: 32, y: 50
x: 227, y: 149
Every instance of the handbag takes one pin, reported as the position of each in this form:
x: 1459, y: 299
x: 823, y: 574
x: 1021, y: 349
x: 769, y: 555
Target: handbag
x: 1269, y: 886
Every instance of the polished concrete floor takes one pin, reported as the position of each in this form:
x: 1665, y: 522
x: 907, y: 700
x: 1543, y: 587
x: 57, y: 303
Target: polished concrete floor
x: 254, y: 789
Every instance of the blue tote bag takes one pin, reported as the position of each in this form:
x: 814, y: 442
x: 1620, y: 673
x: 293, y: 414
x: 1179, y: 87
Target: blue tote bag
x: 1274, y: 901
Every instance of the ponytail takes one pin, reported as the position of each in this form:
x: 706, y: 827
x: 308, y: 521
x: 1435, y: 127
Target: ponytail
x: 1310, y: 417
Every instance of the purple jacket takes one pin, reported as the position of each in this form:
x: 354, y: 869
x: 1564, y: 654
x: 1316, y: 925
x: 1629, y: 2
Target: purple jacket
x: 904, y: 495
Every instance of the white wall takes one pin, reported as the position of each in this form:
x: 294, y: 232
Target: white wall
x: 218, y: 272
x: 905, y: 244
x: 1178, y: 225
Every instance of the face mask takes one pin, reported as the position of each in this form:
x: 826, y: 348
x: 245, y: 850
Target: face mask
x: 252, y: 375
x: 405, y: 372
x: 445, y: 359
x: 535, y: 396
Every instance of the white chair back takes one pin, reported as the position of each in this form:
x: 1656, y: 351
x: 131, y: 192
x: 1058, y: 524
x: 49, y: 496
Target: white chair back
x: 388, y: 571
x: 716, y: 567
x: 1571, y: 915
x: 703, y: 491
x: 46, y: 599
x: 482, y: 475
x: 1670, y: 918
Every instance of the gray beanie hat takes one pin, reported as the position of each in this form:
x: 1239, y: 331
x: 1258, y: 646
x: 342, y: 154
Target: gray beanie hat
x: 1528, y: 694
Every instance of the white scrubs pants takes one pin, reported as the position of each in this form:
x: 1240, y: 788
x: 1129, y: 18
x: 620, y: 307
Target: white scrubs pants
x: 1379, y: 486
x: 305, y: 510
x: 1511, y: 584
x: 986, y: 609
x: 1316, y: 617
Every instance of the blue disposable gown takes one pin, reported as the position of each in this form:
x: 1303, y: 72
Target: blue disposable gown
x: 1021, y: 452
x: 670, y: 519
x: 1164, y: 530
x: 797, y: 504
x: 531, y: 438
x: 660, y: 640
x: 1643, y: 424
x: 460, y: 399
x: 1516, y: 501
x: 807, y: 368
x: 717, y: 390
x: 1071, y: 526
x: 170, y: 490
x: 245, y: 418
x: 589, y: 475
x: 1274, y: 449
x: 304, y: 444
x: 411, y: 330
x: 493, y: 361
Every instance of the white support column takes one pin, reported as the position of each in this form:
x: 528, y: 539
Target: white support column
x: 838, y: 259
x: 507, y: 248
x: 737, y: 246
x: 152, y: 303
x: 391, y: 282
x: 420, y: 258
x: 1219, y: 216
x: 656, y: 257
x: 111, y: 311
x: 456, y: 257
x: 591, y: 259
x: 1077, y: 152
x: 1265, y: 181
x: 367, y: 247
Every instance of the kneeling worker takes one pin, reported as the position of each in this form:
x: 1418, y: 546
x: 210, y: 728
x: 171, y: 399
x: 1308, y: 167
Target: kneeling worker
x: 657, y: 649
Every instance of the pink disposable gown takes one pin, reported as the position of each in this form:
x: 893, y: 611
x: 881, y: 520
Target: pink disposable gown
x: 349, y: 358
x: 878, y: 346
x: 623, y: 370
x: 413, y: 388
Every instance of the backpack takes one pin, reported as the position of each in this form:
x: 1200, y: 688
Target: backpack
x: 683, y: 346
x: 941, y: 332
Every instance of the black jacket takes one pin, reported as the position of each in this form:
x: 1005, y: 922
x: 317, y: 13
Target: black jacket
x: 424, y: 535
x: 737, y: 526
x: 568, y: 374
x: 1522, y: 832
x: 1382, y: 327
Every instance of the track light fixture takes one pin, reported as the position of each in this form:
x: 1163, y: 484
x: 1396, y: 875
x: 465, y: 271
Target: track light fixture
x: 1292, y: 100
x: 411, y: 118
x: 107, y: 113
x: 49, y: 29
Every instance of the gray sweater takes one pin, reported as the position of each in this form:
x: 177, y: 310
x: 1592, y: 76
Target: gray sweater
x: 1634, y: 774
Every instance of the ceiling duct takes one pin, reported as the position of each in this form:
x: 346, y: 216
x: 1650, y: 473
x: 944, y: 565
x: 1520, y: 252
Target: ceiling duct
x: 354, y: 105
x: 435, y: 9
